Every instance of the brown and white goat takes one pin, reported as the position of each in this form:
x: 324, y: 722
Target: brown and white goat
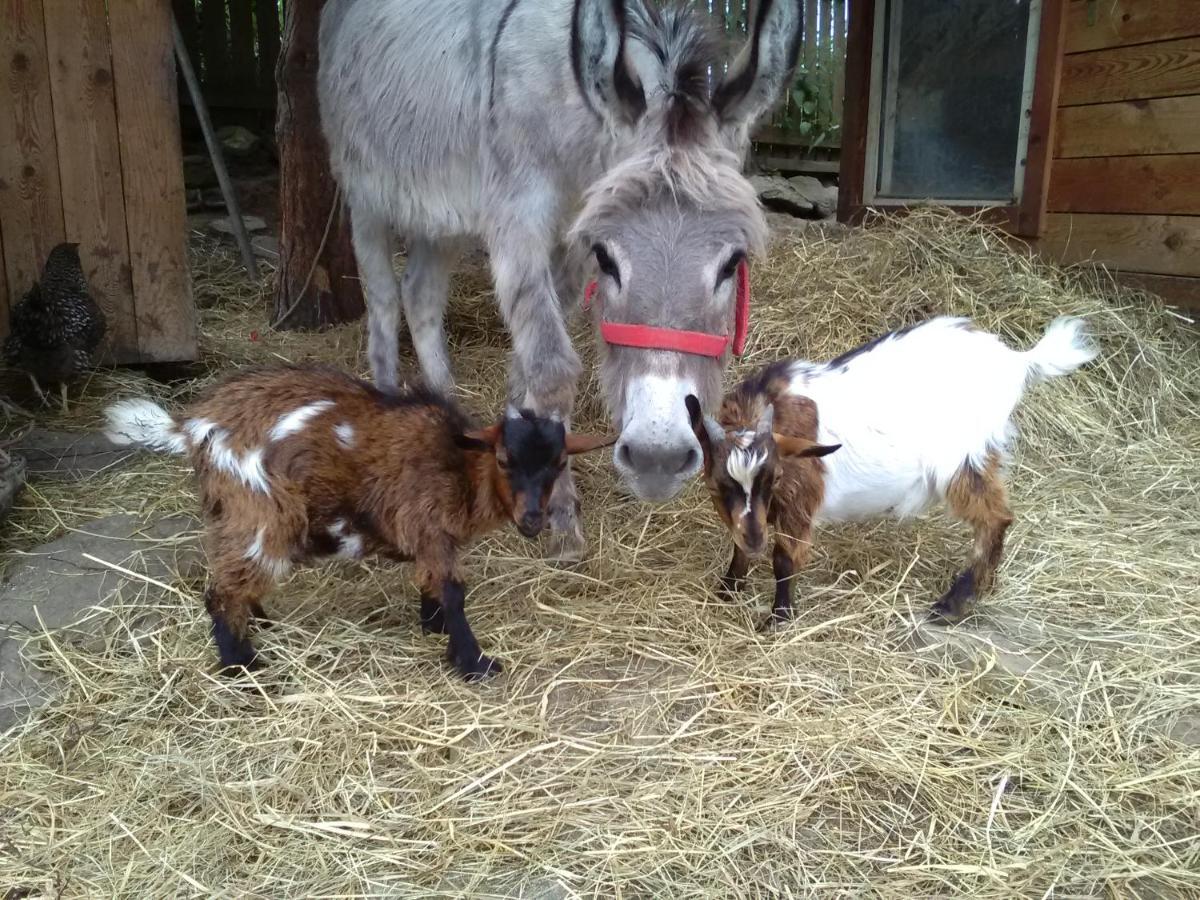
x: 297, y: 462
x: 921, y: 416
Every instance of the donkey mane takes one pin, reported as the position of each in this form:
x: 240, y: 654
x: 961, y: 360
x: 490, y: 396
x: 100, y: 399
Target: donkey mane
x: 708, y: 178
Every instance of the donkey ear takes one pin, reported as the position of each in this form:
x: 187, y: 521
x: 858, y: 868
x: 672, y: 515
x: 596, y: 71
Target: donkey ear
x: 757, y: 77
x: 797, y: 447
x: 481, y: 439
x: 583, y: 443
x: 600, y: 63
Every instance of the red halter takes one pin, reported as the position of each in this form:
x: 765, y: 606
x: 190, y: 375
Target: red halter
x: 649, y: 337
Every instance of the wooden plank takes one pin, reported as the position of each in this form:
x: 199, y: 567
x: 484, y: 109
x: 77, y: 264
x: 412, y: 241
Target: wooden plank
x: 1097, y: 24
x: 1042, y: 115
x: 1130, y: 128
x: 860, y: 37
x: 811, y: 38
x: 1161, y: 245
x: 797, y: 166
x: 214, y: 39
x: 1175, y: 290
x: 151, y: 158
x: 266, y: 23
x: 85, y: 122
x: 1166, y: 185
x: 4, y: 305
x: 30, y: 195
x: 243, y: 63
x: 1163, y: 69
x: 838, y: 60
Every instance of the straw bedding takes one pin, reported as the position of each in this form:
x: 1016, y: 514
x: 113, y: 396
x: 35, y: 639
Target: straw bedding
x: 645, y: 740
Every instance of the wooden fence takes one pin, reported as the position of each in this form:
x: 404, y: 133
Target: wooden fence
x: 89, y: 152
x: 234, y: 45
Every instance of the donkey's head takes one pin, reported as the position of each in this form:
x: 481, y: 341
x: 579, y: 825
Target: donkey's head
x: 673, y: 218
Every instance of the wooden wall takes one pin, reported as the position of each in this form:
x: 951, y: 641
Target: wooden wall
x: 1125, y: 180
x: 90, y: 153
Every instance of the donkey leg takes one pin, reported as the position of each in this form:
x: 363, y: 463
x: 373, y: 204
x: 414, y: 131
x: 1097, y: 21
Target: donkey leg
x: 425, y: 289
x: 373, y: 248
x: 545, y: 366
x: 979, y: 499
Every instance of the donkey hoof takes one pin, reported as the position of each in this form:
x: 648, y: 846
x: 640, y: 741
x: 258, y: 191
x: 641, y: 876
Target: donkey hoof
x: 566, y: 548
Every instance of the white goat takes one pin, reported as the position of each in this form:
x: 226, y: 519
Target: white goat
x: 917, y: 417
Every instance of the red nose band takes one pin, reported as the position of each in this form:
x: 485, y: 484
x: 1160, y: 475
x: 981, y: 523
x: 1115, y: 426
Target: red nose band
x: 649, y: 337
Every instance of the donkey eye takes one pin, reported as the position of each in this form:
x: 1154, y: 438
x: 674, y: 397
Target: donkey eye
x: 606, y: 264
x: 730, y: 267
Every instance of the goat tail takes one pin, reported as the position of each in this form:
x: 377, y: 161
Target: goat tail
x: 1063, y: 348
x: 146, y: 424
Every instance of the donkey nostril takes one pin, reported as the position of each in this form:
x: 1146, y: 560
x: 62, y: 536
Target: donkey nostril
x: 689, y: 461
x: 625, y: 455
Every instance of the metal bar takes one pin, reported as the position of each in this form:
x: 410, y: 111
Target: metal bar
x: 214, y: 151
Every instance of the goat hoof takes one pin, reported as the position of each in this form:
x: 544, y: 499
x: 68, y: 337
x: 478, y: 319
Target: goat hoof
x: 477, y: 668
x: 776, y: 620
x: 946, y: 612
x: 435, y: 624
x: 729, y: 588
x: 241, y: 668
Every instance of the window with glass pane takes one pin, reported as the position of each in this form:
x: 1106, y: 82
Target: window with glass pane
x: 952, y: 94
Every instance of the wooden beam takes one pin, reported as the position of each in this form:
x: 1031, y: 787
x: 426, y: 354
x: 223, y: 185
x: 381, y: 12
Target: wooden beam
x: 859, y: 41
x: 1130, y: 128
x: 1042, y: 116
x: 151, y: 158
x: 1167, y: 185
x: 30, y: 194
x: 1173, y: 289
x: 1097, y: 24
x: 1163, y: 69
x: 85, y: 123
x: 4, y: 301
x: 1161, y: 245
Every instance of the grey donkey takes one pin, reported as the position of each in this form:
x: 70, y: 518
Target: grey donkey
x: 568, y: 135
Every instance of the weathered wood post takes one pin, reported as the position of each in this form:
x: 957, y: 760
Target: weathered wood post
x: 317, y: 282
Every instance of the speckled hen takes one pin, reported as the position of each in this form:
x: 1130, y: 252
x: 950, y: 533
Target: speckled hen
x: 57, y: 325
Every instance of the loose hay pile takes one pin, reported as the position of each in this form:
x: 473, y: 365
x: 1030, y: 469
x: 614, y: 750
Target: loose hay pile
x: 644, y: 740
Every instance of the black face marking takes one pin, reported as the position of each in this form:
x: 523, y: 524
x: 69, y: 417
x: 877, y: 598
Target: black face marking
x: 534, y: 456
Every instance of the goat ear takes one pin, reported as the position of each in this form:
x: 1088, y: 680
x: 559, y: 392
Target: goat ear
x: 757, y: 77
x: 797, y: 447
x: 583, y: 443
x: 481, y: 439
x: 600, y: 63
x: 696, y: 418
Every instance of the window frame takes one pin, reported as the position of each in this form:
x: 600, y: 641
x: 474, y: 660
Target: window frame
x: 1026, y: 217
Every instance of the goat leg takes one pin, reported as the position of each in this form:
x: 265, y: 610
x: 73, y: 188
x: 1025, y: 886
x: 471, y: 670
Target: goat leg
x: 977, y: 497
x: 463, y: 650
x: 433, y: 619
x: 229, y: 612
x: 789, y: 556
x: 734, y: 580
